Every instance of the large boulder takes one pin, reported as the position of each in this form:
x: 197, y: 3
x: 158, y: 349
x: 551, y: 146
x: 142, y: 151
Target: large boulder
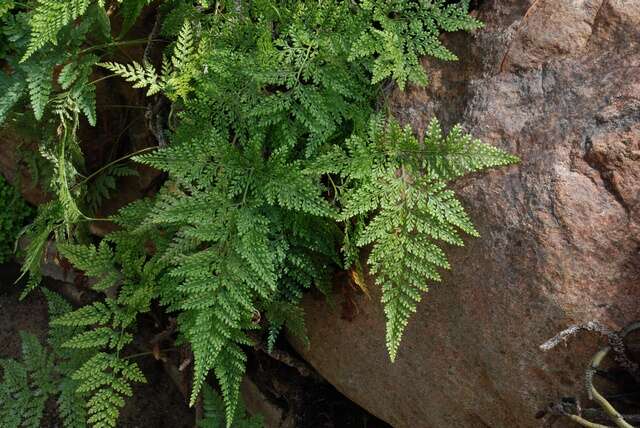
x: 556, y: 82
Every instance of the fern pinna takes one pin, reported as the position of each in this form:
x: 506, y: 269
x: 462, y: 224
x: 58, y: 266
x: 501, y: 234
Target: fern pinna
x: 280, y: 167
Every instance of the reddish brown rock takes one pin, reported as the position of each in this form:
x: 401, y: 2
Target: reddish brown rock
x: 558, y: 83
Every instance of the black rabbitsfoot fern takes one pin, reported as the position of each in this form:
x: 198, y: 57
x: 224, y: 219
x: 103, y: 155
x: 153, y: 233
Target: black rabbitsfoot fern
x: 279, y: 169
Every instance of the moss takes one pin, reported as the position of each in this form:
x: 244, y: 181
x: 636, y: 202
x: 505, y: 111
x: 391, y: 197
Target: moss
x: 14, y: 212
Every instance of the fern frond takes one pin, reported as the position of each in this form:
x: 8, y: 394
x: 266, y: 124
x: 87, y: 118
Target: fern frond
x: 40, y: 86
x: 96, y: 313
x: 402, y: 186
x: 71, y: 407
x: 285, y: 314
x: 229, y: 370
x: 185, y: 47
x: 12, y: 90
x: 141, y: 75
x: 26, y: 385
x: 459, y: 154
x: 95, y: 262
x: 6, y: 6
x: 406, y: 31
x: 37, y: 236
x: 48, y: 18
x: 107, y: 380
x: 214, y: 412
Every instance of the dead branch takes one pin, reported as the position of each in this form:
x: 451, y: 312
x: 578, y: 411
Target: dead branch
x: 615, y: 416
x: 615, y: 339
x: 616, y: 343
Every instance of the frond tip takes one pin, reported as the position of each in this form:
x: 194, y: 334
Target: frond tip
x: 141, y: 75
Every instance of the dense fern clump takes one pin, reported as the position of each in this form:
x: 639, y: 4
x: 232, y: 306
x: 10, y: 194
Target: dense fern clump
x: 279, y: 166
x: 44, y: 372
x: 15, y: 212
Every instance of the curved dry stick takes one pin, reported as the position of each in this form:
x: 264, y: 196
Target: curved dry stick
x: 615, y: 339
x: 615, y: 416
x: 585, y: 423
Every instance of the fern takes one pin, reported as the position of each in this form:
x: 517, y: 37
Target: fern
x: 214, y: 413
x: 401, y: 185
x: 40, y: 375
x: 407, y: 31
x: 26, y: 385
x: 6, y: 6
x: 141, y: 75
x: 176, y: 75
x: 105, y: 377
x: 105, y: 184
x: 39, y: 81
x: 48, y: 18
x: 12, y: 92
x: 277, y: 162
x: 12, y: 219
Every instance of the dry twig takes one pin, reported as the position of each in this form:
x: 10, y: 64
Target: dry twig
x: 616, y: 343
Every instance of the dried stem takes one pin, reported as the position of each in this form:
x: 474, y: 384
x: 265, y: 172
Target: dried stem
x: 616, y: 342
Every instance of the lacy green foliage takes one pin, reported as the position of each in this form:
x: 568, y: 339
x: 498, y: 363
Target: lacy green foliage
x: 406, y: 31
x: 279, y: 170
x: 105, y: 184
x: 398, y: 195
x: 43, y: 373
x: 214, y: 414
x: 15, y: 212
x: 26, y: 385
x: 48, y: 65
x: 107, y: 326
x: 176, y: 73
x: 36, y: 42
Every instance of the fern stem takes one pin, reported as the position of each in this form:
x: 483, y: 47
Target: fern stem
x: 123, y: 43
x: 93, y: 82
x: 110, y: 164
x: 143, y: 354
x: 122, y: 106
x: 335, y: 189
x: 246, y: 188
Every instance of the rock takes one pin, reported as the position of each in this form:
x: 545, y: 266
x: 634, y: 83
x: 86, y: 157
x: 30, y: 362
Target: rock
x: 556, y: 82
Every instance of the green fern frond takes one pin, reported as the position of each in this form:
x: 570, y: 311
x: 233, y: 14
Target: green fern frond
x: 95, y: 262
x: 289, y: 315
x: 48, y: 18
x: 37, y: 235
x: 12, y: 90
x: 141, y: 75
x: 107, y: 380
x: 26, y: 385
x: 40, y: 86
x: 459, y: 154
x: 96, y: 313
x: 214, y: 412
x: 6, y: 6
x: 406, y: 31
x: 402, y: 187
x: 71, y: 407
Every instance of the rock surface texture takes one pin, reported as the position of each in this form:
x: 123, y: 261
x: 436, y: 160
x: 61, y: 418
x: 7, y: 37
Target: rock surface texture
x: 556, y: 82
